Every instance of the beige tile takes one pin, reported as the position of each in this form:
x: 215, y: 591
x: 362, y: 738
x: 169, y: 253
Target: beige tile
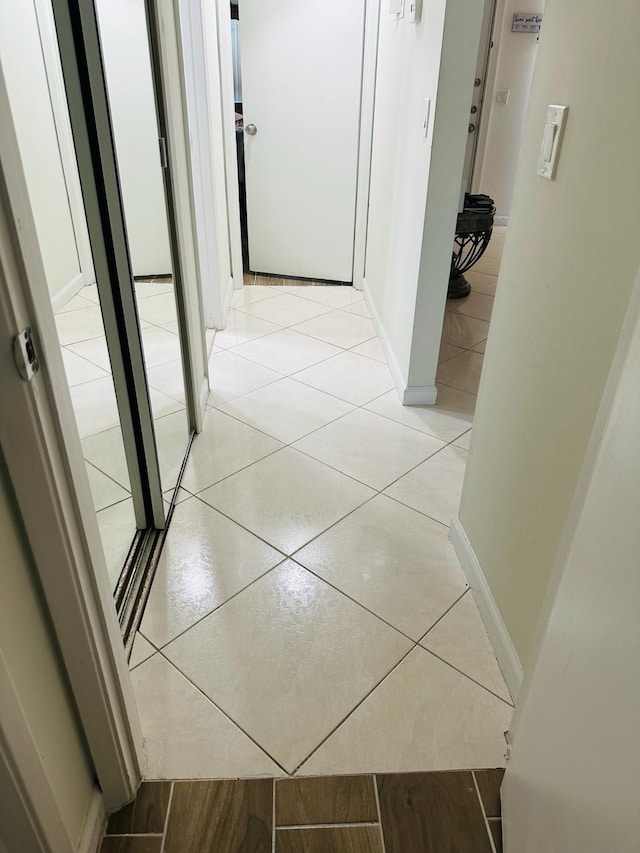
x: 79, y: 370
x: 287, y: 498
x: 185, y: 735
x: 351, y: 377
x: 287, y: 659
x: 286, y: 409
x: 339, y: 328
x: 231, y: 376
x: 206, y: 560
x: 286, y: 310
x: 95, y: 406
x: 448, y: 419
x: 372, y: 449
x: 333, y: 296
x: 249, y: 295
x: 462, y: 371
x: 393, y: 561
x: 224, y: 446
x: 371, y: 349
x: 448, y: 351
x: 141, y: 651
x: 464, y: 441
x: 481, y: 347
x: 480, y: 281
x: 463, y: 331
x: 169, y: 379
x: 117, y: 525
x: 159, y: 346
x: 75, y: 304
x: 479, y: 305
x: 81, y: 325
x: 145, y: 289
x: 104, y: 490
x: 490, y: 291
x: 460, y: 639
x: 90, y: 292
x: 435, y: 486
x: 424, y: 716
x: 158, y: 309
x: 488, y: 264
x: 241, y: 328
x: 287, y: 351
x: 359, y: 308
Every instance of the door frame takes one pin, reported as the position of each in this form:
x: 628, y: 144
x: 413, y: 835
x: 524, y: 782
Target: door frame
x: 44, y: 461
x: 217, y: 44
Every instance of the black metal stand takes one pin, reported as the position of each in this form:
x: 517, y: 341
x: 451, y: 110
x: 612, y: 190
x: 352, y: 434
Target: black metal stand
x: 473, y: 232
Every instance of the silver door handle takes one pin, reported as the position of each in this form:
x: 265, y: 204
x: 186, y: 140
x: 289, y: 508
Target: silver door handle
x: 251, y: 129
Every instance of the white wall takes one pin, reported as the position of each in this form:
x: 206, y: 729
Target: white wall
x: 26, y: 80
x: 123, y: 32
x: 415, y: 181
x: 516, y: 57
x: 572, y: 784
x: 568, y: 269
x: 30, y: 655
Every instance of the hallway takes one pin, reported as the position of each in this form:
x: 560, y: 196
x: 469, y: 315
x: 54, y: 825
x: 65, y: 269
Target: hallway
x: 309, y: 615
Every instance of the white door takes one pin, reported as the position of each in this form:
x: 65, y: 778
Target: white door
x: 301, y: 85
x: 573, y: 782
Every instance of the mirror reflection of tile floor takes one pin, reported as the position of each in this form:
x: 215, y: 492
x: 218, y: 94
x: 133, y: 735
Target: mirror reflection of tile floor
x: 309, y: 616
x: 86, y: 361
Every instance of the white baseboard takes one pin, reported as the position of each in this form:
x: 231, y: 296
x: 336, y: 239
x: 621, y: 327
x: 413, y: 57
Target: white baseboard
x: 420, y: 395
x: 502, y: 643
x: 70, y: 289
x: 500, y: 220
x: 93, y: 827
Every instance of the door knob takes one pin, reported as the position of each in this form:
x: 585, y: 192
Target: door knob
x: 251, y: 129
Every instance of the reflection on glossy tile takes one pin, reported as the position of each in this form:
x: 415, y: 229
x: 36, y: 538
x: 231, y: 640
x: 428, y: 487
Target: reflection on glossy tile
x: 287, y: 351
x: 104, y: 491
x: 462, y: 372
x: 460, y: 639
x: 242, y: 327
x: 79, y: 370
x: 95, y: 406
x: 224, y: 446
x: 185, y: 735
x: 158, y: 309
x: 398, y: 564
x: 448, y: 419
x: 145, y: 289
x: 206, y: 559
x: 286, y: 409
x: 370, y: 448
x: 340, y: 328
x: 333, y: 296
x: 117, y: 525
x: 75, y: 303
x: 434, y: 487
x: 285, y: 310
x: 249, y: 295
x: 169, y: 379
x: 280, y: 645
x: 95, y: 351
x: 81, y: 325
x: 287, y: 498
x: 231, y: 376
x: 424, y: 716
x: 478, y: 305
x: 351, y: 377
x: 141, y: 651
x: 463, y: 331
x: 371, y: 349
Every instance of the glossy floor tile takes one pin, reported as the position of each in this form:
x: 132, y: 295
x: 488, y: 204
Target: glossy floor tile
x: 280, y: 645
x: 309, y: 615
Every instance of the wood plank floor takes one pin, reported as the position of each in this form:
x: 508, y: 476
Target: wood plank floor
x: 444, y: 812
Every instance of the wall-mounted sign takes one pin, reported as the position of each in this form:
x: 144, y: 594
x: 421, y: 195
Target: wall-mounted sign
x: 526, y: 22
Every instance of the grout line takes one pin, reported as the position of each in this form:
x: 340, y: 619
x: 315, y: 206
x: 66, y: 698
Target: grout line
x: 273, y: 817
x: 329, y: 825
x: 224, y: 713
x: 484, y: 815
x: 355, y: 708
x: 377, y: 796
x: 166, y: 820
x: 466, y: 675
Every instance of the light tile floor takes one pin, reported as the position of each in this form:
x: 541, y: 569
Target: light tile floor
x: 309, y: 615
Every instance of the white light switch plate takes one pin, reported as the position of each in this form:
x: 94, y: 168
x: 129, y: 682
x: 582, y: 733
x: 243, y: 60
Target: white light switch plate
x: 396, y: 7
x: 551, y: 141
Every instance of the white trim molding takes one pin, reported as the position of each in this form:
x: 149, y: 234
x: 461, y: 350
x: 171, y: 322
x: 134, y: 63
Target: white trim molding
x: 501, y: 641
x: 409, y: 395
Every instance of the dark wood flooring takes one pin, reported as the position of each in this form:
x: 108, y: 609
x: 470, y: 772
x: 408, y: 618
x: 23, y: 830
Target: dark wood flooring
x: 445, y: 812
